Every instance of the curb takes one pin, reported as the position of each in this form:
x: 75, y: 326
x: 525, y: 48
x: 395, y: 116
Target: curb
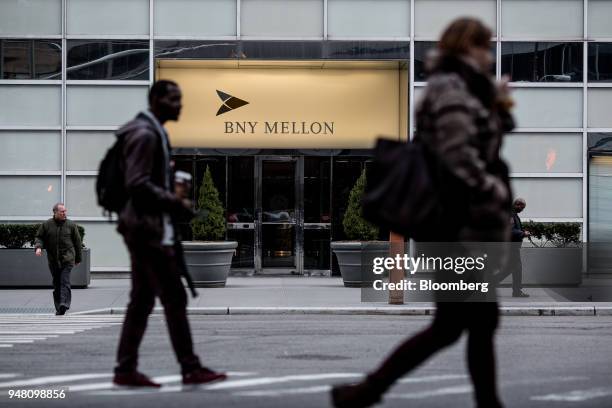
x: 366, y: 311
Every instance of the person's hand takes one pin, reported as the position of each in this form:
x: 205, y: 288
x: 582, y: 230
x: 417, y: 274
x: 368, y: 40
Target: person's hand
x: 77, y: 264
x: 186, y: 203
x: 526, y: 233
x: 38, y: 252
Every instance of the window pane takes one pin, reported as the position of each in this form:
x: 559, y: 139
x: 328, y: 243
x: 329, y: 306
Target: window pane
x: 600, y: 62
x: 107, y: 247
x: 28, y: 196
x: 189, y: 17
x: 554, y: 108
x: 241, y: 194
x: 316, y: 189
x: 29, y: 150
x: 108, y: 59
x: 278, y: 18
x: 85, y: 150
x: 542, y: 18
x: 32, y: 17
x: 104, y: 105
x: 31, y: 59
x: 600, y: 199
x: 549, y: 197
x: 383, y: 18
x: 316, y: 249
x: 244, y: 255
x: 421, y: 50
x: 196, y: 49
x: 81, y: 199
x: 600, y: 101
x: 432, y: 16
x: 543, y: 153
x: 599, y: 18
x: 130, y: 17
x: 30, y: 105
x: 542, y: 61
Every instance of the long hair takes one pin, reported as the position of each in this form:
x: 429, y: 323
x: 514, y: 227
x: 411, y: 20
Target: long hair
x: 462, y: 34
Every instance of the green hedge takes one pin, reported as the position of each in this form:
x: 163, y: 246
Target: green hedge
x: 20, y: 235
x: 558, y: 234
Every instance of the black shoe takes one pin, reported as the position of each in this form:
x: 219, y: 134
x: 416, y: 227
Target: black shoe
x: 202, y: 375
x: 520, y: 294
x: 359, y: 395
x: 61, y: 311
x: 134, y: 379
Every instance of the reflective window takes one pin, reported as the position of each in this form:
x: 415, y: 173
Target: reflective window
x: 30, y: 59
x: 316, y: 249
x: 542, y: 61
x: 600, y: 62
x: 125, y: 59
x: 316, y: 189
x: 421, y: 50
x: 241, y: 194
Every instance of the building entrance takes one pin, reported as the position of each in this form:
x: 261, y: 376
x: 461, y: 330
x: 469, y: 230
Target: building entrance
x: 279, y: 217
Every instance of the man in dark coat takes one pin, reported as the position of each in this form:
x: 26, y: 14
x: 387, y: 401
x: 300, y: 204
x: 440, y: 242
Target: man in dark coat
x: 61, y: 238
x: 515, y: 265
x: 147, y: 223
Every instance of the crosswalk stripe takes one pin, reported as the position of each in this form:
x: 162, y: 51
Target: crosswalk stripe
x: 8, y: 375
x: 15, y: 341
x: 278, y: 380
x: 53, y: 380
x: 576, y: 395
x: 291, y: 391
x: 166, y: 379
x: 459, y: 389
x: 5, y: 345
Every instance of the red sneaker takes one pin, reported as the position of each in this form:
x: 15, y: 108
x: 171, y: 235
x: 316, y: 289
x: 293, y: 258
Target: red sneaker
x: 134, y: 379
x: 203, y: 376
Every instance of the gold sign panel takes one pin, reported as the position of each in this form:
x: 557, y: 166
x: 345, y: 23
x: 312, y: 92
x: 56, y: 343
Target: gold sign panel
x: 283, y: 105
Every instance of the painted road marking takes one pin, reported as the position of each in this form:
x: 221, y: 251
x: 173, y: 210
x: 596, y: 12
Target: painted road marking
x: 576, y: 395
x: 54, y: 379
x: 19, y: 329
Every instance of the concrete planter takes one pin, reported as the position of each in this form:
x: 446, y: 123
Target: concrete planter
x: 21, y: 268
x: 551, y: 266
x: 351, y: 256
x: 209, y: 262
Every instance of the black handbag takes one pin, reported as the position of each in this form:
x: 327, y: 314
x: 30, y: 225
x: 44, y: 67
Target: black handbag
x: 401, y: 193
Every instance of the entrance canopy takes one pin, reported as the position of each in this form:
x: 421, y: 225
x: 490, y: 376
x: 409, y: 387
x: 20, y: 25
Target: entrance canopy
x: 288, y: 104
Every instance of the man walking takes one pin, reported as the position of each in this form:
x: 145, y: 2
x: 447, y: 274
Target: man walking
x: 61, y: 238
x: 147, y: 223
x: 515, y: 265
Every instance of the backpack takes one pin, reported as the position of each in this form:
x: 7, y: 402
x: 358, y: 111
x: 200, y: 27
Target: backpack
x: 110, y: 183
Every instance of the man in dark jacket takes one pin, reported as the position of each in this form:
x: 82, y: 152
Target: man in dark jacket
x: 61, y: 238
x: 515, y: 265
x: 147, y: 223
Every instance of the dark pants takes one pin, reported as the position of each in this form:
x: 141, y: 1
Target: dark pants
x: 514, y: 268
x: 452, y: 319
x: 62, y: 294
x: 155, y: 272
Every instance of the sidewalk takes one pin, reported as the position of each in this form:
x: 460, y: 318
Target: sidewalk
x: 281, y: 295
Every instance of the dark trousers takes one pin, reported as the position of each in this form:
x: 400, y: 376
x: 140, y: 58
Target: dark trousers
x: 452, y: 319
x: 155, y: 272
x: 514, y: 267
x: 62, y: 294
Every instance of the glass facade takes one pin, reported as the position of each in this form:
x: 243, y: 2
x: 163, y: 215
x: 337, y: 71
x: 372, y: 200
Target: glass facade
x: 70, y: 75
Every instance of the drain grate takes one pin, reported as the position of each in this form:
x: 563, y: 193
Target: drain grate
x: 26, y: 310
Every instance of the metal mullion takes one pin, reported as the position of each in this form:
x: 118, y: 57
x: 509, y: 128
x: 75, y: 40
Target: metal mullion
x: 64, y: 148
x: 238, y: 17
x: 325, y: 22
x: 498, y: 44
x: 32, y: 60
x: 151, y: 43
x: 585, y: 147
x: 411, y: 83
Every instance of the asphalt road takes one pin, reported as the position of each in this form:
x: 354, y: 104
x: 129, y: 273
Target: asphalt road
x: 289, y: 361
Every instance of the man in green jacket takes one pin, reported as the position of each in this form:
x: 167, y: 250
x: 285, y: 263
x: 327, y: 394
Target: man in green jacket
x: 61, y: 238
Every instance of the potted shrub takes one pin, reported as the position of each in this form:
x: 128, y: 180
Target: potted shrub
x: 209, y: 256
x: 350, y: 253
x: 19, y: 267
x: 553, y: 254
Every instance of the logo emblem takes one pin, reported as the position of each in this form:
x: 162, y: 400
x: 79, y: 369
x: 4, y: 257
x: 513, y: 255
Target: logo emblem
x: 229, y: 102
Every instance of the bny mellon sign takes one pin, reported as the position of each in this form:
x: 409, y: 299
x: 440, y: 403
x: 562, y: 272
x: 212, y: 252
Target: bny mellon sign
x: 285, y: 108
